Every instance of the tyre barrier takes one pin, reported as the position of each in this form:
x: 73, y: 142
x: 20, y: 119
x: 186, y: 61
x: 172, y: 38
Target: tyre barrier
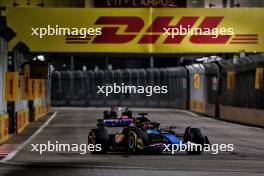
x: 242, y: 90
x: 77, y: 88
x: 225, y: 89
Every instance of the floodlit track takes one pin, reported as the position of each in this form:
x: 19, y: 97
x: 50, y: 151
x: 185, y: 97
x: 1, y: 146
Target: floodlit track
x: 71, y: 125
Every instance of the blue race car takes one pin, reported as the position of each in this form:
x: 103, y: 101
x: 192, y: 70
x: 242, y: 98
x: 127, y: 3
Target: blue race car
x: 140, y: 135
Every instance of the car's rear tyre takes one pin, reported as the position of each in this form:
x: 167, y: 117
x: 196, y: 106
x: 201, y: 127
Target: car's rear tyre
x: 194, y: 135
x: 99, y: 136
x: 132, y: 142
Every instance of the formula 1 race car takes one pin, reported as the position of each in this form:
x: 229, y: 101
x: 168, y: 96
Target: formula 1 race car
x: 117, y: 112
x: 140, y: 135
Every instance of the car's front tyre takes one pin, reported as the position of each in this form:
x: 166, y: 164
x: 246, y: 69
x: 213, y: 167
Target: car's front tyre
x: 196, y: 139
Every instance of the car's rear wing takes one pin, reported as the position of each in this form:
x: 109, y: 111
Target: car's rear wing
x: 115, y: 122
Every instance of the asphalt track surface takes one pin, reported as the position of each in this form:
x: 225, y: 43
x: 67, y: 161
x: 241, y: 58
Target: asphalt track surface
x: 71, y: 125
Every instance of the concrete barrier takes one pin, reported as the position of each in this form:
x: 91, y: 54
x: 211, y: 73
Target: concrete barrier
x: 242, y: 115
x: 22, y: 120
x: 41, y: 110
x: 4, y: 128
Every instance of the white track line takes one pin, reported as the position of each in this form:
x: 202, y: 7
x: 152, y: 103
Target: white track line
x: 14, y: 152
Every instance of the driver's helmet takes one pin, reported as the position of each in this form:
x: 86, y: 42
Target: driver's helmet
x: 148, y: 126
